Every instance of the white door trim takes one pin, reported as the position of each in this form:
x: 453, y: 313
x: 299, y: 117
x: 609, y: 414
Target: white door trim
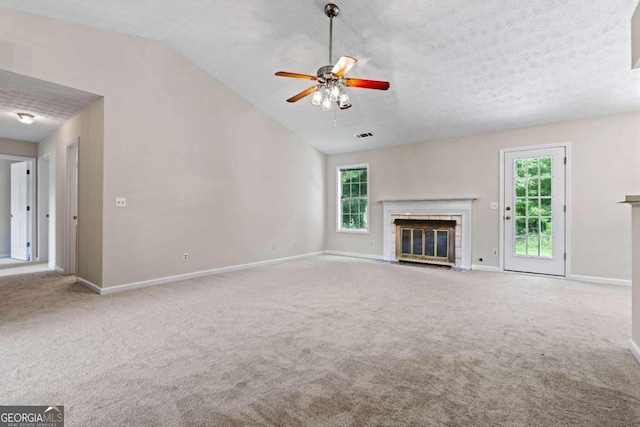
x: 567, y: 147
x: 66, y: 251
x: 44, y: 200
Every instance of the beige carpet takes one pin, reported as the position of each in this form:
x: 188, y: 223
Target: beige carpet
x: 325, y: 341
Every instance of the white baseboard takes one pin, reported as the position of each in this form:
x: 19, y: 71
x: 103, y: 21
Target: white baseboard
x: 635, y: 349
x: 95, y: 288
x: 186, y: 276
x: 355, y: 255
x: 58, y: 270
x: 486, y: 268
x: 5, y: 255
x: 587, y: 279
x: 600, y: 280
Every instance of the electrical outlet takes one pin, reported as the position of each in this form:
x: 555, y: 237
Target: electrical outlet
x: 495, y: 252
x: 185, y: 256
x: 294, y: 243
x: 493, y: 206
x: 371, y: 243
x: 274, y: 246
x: 121, y: 202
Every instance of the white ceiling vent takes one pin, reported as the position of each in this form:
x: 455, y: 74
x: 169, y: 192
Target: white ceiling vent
x: 363, y: 135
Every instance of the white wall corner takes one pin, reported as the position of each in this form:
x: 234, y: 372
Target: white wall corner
x: 635, y: 349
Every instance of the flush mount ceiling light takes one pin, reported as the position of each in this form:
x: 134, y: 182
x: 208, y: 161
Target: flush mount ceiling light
x: 26, y: 118
x: 330, y: 78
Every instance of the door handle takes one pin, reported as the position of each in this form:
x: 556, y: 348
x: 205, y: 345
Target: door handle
x: 508, y: 208
x: 75, y: 217
x: 507, y: 217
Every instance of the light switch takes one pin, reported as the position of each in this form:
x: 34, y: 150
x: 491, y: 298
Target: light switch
x: 493, y: 206
x: 121, y: 202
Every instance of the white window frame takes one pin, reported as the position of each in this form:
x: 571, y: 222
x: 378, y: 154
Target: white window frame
x: 339, y: 228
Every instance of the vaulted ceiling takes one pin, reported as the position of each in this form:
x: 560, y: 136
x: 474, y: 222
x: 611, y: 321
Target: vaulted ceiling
x: 456, y: 67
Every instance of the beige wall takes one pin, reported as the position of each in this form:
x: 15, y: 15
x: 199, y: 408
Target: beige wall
x: 605, y: 153
x: 203, y: 171
x: 86, y: 127
x: 18, y: 148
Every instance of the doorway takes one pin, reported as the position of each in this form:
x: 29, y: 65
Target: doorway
x: 534, y: 205
x: 17, y: 209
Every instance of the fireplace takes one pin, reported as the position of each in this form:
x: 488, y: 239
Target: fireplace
x: 428, y: 211
x: 426, y: 241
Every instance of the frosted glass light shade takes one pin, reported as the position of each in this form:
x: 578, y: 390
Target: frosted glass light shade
x: 26, y: 118
x: 317, y: 97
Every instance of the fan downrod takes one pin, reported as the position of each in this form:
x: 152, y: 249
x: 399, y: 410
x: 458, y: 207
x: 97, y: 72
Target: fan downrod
x: 331, y: 10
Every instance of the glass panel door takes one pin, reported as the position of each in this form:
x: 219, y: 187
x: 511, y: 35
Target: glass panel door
x: 534, y: 217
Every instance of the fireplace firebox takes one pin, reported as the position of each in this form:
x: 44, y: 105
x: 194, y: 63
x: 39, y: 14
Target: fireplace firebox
x: 426, y: 241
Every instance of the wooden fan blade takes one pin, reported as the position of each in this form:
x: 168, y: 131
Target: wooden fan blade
x: 344, y: 64
x: 367, y: 84
x: 295, y: 75
x: 302, y: 94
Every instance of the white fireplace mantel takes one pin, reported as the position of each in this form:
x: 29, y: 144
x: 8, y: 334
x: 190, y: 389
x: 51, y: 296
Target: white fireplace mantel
x: 461, y: 206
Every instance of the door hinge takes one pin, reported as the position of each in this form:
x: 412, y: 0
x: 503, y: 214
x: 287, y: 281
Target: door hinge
x: 28, y: 172
x: 28, y: 244
x: 565, y: 256
x: 565, y: 208
x: 565, y: 160
x: 28, y: 208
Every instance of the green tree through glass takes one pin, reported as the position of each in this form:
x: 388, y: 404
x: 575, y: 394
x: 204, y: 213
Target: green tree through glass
x: 533, y: 228
x: 353, y: 199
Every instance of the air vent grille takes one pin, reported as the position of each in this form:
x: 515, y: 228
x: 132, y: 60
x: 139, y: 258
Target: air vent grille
x: 363, y: 135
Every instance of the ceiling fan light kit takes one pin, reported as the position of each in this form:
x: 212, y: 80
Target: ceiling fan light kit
x: 330, y: 78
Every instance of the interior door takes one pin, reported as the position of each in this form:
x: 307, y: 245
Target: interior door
x: 19, y: 213
x: 534, y: 211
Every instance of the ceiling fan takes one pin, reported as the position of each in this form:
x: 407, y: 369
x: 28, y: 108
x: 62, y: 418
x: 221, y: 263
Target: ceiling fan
x: 331, y: 78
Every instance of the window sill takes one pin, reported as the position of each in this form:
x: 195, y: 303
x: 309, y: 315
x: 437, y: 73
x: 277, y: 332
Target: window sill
x: 354, y: 231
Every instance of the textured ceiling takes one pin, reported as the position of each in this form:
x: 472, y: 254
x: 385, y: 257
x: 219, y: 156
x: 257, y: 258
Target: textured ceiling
x: 50, y: 103
x: 456, y: 67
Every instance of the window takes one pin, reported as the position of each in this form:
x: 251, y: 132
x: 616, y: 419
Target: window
x: 353, y: 190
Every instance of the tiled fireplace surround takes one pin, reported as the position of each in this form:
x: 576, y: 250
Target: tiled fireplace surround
x: 458, y: 209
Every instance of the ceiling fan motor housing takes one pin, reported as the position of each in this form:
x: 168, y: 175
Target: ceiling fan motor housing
x: 324, y: 73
